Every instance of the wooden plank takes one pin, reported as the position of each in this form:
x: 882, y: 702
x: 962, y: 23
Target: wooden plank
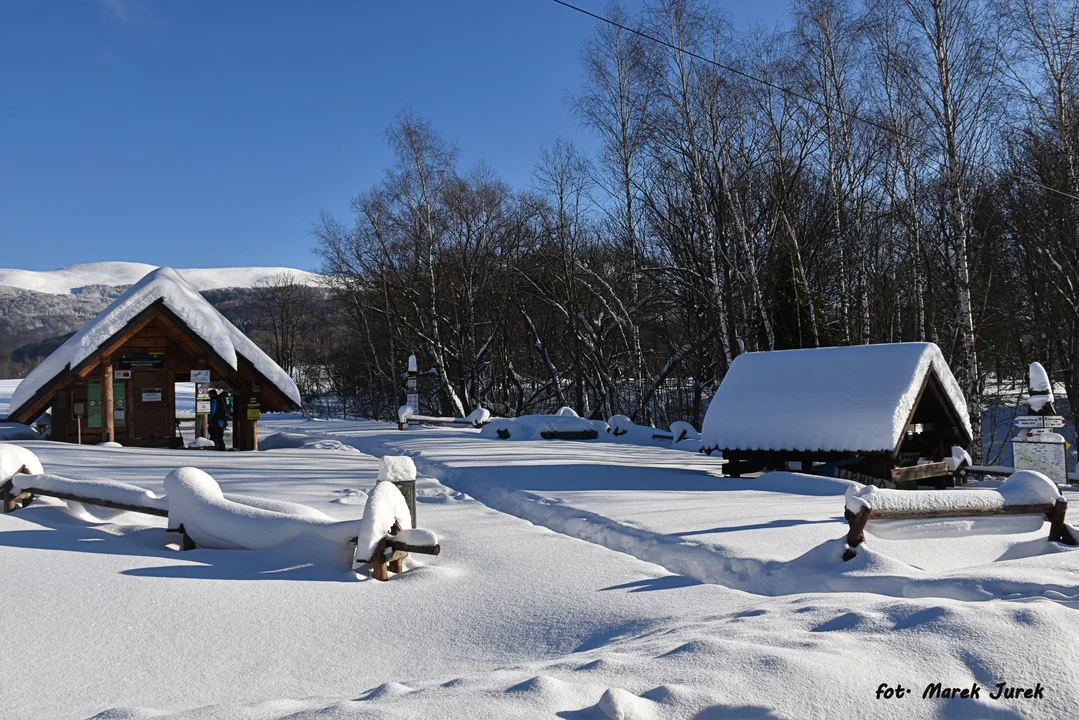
x: 95, y: 501
x: 919, y: 472
x: 419, y: 549
x: 569, y: 434
x: 1042, y: 509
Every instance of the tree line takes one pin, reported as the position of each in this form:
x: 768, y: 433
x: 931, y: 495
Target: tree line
x: 877, y: 171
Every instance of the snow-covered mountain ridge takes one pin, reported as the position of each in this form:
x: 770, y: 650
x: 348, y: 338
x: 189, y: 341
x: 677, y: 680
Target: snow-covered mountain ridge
x: 69, y: 280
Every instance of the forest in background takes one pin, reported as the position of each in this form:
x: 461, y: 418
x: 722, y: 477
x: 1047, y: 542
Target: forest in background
x: 879, y: 171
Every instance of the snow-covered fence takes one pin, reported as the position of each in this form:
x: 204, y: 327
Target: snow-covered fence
x: 1024, y: 493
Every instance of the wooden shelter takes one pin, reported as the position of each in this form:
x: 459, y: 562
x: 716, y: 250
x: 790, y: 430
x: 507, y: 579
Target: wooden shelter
x: 115, y: 379
x: 882, y: 414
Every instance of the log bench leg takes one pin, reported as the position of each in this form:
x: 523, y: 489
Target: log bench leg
x: 397, y: 564
x: 1058, y: 532
x: 186, y: 543
x: 856, y: 535
x: 6, y: 498
x: 379, y: 569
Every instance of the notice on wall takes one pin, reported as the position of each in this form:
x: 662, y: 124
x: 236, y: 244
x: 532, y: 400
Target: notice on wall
x: 151, y: 395
x: 254, y: 411
x: 200, y: 376
x: 202, y: 396
x: 1047, y: 458
x: 142, y: 360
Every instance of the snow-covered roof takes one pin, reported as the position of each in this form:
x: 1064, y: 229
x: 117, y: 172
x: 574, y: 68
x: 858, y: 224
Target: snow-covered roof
x: 167, y: 286
x: 847, y: 399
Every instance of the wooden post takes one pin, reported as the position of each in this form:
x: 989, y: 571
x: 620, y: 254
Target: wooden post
x: 1056, y: 520
x: 855, y: 536
x: 108, y: 422
x: 7, y: 500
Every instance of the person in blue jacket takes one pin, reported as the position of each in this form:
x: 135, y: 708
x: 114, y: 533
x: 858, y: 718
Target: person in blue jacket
x: 217, y: 420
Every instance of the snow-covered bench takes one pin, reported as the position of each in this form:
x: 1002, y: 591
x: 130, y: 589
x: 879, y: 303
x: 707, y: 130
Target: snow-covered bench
x: 1024, y: 493
x: 475, y: 419
x: 563, y: 425
x: 385, y: 535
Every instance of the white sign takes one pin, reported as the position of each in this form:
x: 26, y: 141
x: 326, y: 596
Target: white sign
x: 414, y: 403
x: 202, y: 407
x: 200, y: 376
x: 151, y: 395
x: 123, y: 374
x: 117, y: 414
x: 1046, y: 458
x: 1040, y: 421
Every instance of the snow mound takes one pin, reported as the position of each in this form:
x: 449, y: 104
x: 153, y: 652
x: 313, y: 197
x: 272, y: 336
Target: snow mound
x: 201, y: 442
x: 17, y: 431
x: 385, y: 506
x: 479, y: 416
x: 1028, y: 487
x: 282, y: 440
x: 13, y: 457
x: 684, y: 431
x: 213, y: 520
x: 404, y: 413
x: 396, y: 468
x: 843, y: 399
x: 109, y: 444
x: 620, y: 424
x: 532, y: 427
x: 111, y: 491
x: 418, y: 536
x: 566, y: 411
x: 167, y: 286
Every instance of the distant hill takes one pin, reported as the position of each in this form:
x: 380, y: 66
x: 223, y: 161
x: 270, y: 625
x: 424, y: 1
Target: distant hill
x: 75, y: 278
x: 39, y: 310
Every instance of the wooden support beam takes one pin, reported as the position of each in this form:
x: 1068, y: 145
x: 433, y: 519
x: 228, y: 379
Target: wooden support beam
x: 108, y: 421
x: 919, y: 472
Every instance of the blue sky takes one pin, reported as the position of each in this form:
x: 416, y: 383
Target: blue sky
x: 202, y: 133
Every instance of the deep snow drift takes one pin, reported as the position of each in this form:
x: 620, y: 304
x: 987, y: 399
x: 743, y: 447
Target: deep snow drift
x: 577, y: 580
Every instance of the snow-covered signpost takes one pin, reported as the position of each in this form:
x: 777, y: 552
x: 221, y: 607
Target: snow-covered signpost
x: 412, y: 386
x: 1037, y: 447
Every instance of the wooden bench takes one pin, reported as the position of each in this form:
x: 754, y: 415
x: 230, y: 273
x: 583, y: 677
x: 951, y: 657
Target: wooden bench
x: 430, y: 420
x: 390, y: 552
x: 1053, y: 512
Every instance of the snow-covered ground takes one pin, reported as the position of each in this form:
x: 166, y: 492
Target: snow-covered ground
x: 576, y: 580
x: 70, y: 279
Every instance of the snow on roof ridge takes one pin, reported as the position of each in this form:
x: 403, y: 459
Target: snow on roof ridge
x: 844, y: 398
x: 166, y: 285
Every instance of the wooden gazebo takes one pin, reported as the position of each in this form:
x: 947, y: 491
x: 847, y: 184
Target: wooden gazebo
x: 882, y: 414
x: 115, y: 379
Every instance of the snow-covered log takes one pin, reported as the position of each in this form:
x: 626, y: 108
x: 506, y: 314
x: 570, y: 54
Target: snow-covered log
x: 213, y: 520
x: 540, y: 427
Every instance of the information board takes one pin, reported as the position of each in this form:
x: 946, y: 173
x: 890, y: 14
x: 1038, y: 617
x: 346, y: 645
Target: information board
x: 1049, y: 459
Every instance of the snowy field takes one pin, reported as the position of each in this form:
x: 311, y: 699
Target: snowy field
x: 576, y: 580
